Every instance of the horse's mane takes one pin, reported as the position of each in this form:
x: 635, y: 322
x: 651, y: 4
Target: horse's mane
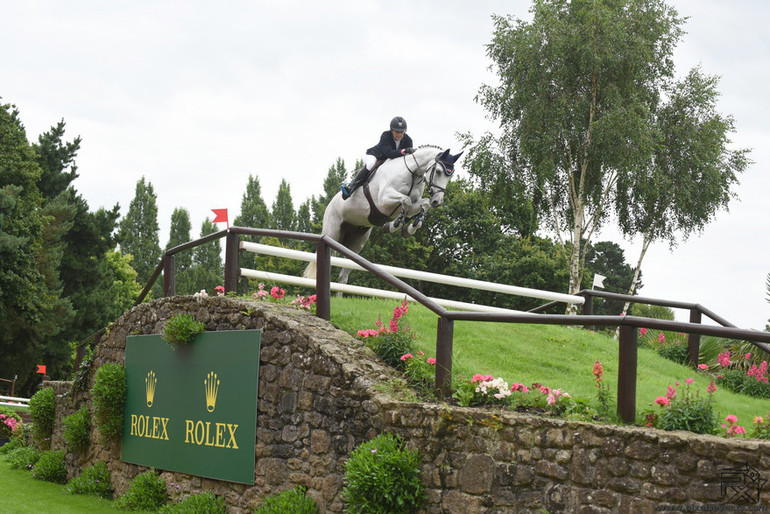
x: 430, y: 146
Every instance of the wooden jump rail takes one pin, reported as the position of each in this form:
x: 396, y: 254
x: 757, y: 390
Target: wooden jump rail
x: 628, y: 325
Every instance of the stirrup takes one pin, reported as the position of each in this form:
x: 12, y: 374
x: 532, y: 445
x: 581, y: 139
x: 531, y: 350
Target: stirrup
x: 345, y: 191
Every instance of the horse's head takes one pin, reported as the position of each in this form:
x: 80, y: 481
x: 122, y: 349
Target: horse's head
x: 438, y: 176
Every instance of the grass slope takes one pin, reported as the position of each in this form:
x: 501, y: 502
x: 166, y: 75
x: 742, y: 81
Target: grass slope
x: 556, y: 356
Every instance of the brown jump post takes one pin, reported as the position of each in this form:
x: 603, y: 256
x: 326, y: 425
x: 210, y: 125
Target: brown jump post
x: 444, y: 339
x: 323, y: 280
x: 693, y: 340
x: 169, y: 275
x: 627, y: 360
x: 232, y: 267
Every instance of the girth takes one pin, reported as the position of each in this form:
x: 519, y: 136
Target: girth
x: 376, y: 218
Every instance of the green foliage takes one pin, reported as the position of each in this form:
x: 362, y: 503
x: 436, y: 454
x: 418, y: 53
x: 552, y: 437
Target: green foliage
x: 24, y: 457
x: 283, y: 216
x: 146, y: 492
x: 182, y: 329
x: 92, y: 481
x: 207, y: 269
x: 382, y: 476
x: 50, y: 467
x: 139, y: 229
x: 12, y: 444
x: 108, y: 396
x: 42, y: 408
x: 294, y: 500
x: 179, y: 233
x: 196, y: 503
x: 77, y: 430
x: 738, y: 381
x: 254, y: 214
x: 686, y: 411
x: 10, y: 423
x: 393, y: 342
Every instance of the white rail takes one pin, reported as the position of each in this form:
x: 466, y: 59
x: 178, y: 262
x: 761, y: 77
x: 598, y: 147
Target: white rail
x: 404, y: 273
x: 365, y: 291
x: 13, y: 401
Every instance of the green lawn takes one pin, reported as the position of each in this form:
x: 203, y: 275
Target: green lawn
x: 556, y: 356
x: 21, y: 493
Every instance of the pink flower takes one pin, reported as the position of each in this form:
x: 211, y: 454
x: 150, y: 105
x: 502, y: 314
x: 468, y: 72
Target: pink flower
x: 703, y: 367
x: 220, y: 290
x: 731, y: 419
x: 724, y: 359
x: 431, y: 361
x: 406, y: 356
x: 545, y: 390
x: 662, y: 401
x: 277, y: 293
x: 481, y: 378
x: 689, y: 381
x: 661, y: 337
x: 643, y: 331
x: 748, y: 356
x: 711, y: 388
x: 520, y: 388
x: 671, y: 393
x: 735, y: 430
x: 369, y: 332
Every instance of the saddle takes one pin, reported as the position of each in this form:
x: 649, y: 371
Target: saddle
x: 376, y: 217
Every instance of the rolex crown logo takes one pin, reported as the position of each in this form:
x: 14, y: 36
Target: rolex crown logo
x: 212, y: 388
x: 149, y: 387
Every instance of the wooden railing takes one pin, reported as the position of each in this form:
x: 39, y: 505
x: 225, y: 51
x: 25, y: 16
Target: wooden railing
x: 628, y: 325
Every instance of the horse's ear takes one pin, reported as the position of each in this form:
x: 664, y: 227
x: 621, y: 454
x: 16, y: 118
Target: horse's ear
x: 443, y: 155
x: 453, y: 158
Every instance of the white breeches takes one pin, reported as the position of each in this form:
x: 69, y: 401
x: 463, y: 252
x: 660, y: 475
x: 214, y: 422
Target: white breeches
x: 369, y: 161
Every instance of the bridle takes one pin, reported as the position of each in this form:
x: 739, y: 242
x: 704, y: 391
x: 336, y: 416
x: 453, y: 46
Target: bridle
x: 416, y: 179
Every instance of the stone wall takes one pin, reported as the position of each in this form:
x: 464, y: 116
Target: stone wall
x: 317, y: 402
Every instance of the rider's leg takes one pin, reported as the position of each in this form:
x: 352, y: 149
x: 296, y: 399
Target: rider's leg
x: 360, y: 177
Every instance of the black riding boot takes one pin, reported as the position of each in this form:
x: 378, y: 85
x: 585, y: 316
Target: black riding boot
x: 360, y: 178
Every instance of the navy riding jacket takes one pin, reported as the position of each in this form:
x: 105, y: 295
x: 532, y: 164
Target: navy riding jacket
x: 386, y: 148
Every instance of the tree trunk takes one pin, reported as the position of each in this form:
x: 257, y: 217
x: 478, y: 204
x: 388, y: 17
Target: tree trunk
x: 645, y: 245
x: 575, y: 273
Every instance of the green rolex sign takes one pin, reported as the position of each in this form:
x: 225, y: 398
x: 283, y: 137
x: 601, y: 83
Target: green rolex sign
x: 193, y: 408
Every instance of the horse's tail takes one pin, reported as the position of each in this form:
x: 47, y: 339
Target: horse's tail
x: 310, y: 270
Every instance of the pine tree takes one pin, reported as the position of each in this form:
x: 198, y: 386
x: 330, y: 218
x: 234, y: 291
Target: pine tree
x: 254, y: 214
x: 207, y: 269
x: 179, y: 233
x: 283, y: 216
x: 138, y: 234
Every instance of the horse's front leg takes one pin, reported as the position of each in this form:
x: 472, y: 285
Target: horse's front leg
x: 422, y: 208
x: 406, y: 206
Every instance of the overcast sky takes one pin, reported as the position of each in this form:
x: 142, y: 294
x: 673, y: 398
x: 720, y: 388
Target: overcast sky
x: 196, y: 96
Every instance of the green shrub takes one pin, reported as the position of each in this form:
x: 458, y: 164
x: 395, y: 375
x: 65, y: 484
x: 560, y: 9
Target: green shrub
x: 382, y: 476
x: 683, y: 410
x: 10, y: 422
x: 676, y: 352
x: 77, y: 430
x: 146, y: 492
x: 292, y: 500
x: 42, y: 408
x: 203, y: 502
x: 23, y: 458
x: 392, y: 342
x: 737, y: 381
x: 93, y: 481
x: 108, y: 396
x: 50, y: 467
x: 182, y: 329
x: 12, y: 444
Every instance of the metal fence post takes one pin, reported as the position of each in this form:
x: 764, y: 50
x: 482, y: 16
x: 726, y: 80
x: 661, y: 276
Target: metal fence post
x: 232, y: 268
x: 169, y: 275
x: 444, y: 339
x: 323, y: 280
x: 693, y: 340
x: 627, y: 360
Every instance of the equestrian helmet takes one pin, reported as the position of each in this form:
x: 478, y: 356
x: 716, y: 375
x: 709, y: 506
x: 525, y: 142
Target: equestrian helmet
x: 398, y: 124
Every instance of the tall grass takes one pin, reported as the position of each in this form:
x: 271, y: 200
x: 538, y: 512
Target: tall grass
x: 555, y: 356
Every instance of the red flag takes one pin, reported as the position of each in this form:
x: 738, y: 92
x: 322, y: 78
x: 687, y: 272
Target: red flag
x: 41, y: 369
x: 221, y: 216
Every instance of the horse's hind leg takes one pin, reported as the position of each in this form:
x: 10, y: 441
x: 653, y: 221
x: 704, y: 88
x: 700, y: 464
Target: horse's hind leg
x: 355, y: 239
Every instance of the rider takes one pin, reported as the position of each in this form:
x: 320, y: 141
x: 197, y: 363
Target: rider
x: 393, y: 143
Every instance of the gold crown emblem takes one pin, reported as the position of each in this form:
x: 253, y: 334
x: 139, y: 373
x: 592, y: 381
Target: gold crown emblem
x: 212, y: 388
x: 149, y: 387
